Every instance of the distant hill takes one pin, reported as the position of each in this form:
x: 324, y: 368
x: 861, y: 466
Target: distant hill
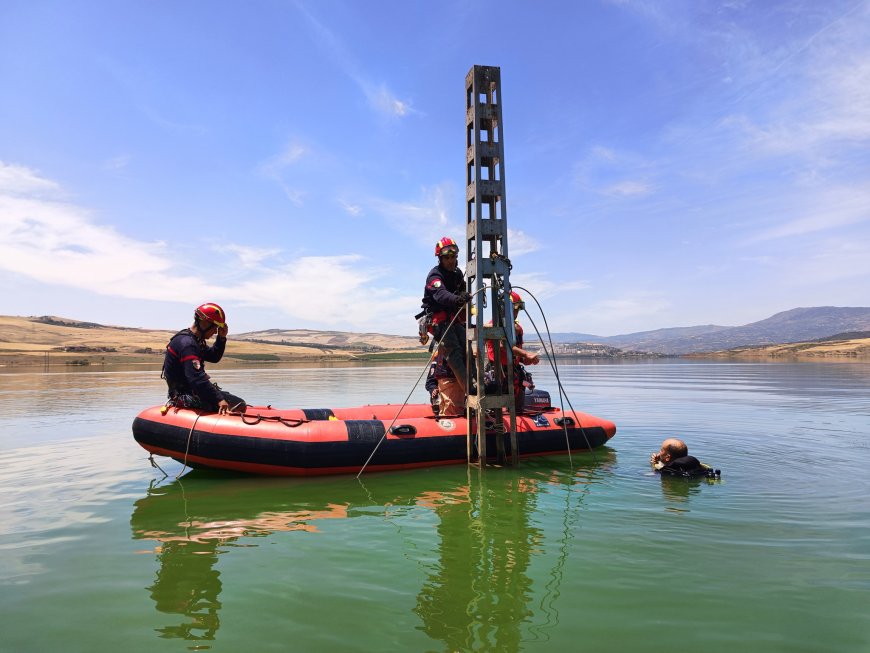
x: 331, y: 339
x: 51, y: 340
x: 796, y: 325
x: 36, y: 340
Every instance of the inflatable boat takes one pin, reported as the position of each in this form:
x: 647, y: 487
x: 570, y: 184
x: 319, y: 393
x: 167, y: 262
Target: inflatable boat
x: 320, y: 441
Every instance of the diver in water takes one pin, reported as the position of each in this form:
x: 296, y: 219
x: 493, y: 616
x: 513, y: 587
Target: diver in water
x: 673, y: 459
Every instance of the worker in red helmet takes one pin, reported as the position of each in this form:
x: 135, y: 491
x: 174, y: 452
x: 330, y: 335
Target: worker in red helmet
x: 184, y: 363
x: 521, y: 356
x: 444, y: 298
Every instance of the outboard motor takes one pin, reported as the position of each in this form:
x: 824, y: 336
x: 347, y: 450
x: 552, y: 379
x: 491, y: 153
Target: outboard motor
x: 536, y: 399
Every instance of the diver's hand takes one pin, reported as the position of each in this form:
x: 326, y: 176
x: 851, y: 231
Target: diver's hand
x: 223, y: 331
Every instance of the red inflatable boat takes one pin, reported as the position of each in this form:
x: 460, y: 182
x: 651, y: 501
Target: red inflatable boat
x: 309, y: 442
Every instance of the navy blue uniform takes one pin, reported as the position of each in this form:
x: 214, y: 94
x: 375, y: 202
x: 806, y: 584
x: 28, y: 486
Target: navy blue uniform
x: 184, y: 371
x: 441, y: 301
x: 440, y: 296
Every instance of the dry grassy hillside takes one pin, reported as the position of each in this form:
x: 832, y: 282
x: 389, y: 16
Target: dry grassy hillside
x: 28, y: 341
x: 830, y: 349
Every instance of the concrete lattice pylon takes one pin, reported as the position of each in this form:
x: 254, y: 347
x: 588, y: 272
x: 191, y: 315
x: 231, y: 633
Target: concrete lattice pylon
x: 487, y: 262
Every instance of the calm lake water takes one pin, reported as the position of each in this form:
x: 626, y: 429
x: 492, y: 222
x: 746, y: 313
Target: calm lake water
x: 100, y: 552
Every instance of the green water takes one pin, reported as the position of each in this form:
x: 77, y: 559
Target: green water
x: 100, y: 552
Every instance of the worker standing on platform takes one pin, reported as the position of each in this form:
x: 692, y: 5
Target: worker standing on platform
x: 443, y: 299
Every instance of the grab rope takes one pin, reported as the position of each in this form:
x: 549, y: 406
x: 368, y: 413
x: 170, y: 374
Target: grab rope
x: 416, y: 383
x: 552, y: 360
x: 289, y: 423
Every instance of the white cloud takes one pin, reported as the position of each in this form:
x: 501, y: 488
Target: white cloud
x: 18, y: 180
x: 520, y: 243
x: 61, y: 244
x: 426, y: 219
x: 57, y: 243
x: 382, y: 99
x: 328, y: 290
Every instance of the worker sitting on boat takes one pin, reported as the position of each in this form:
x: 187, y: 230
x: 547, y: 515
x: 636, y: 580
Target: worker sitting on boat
x: 520, y: 356
x: 443, y: 299
x: 184, y: 363
x: 673, y: 459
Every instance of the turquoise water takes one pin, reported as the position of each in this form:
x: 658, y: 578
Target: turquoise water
x: 100, y: 552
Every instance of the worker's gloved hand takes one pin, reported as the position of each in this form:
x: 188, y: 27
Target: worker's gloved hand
x: 462, y: 298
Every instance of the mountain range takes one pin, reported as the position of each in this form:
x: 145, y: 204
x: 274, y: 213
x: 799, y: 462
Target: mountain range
x: 795, y: 325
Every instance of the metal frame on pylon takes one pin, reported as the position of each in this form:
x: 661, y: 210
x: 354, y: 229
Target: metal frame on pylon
x: 487, y: 261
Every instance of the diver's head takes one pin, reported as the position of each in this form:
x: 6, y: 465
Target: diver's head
x: 672, y: 448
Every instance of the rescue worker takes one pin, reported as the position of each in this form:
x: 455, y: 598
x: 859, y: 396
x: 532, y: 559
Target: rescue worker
x: 673, y: 459
x: 520, y: 355
x: 184, y: 363
x: 443, y: 298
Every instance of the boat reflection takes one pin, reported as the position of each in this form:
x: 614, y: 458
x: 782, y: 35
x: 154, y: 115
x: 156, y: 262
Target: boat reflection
x: 477, y: 592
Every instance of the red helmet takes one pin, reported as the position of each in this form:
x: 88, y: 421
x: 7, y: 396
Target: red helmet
x: 211, y: 313
x: 515, y: 297
x: 445, y: 243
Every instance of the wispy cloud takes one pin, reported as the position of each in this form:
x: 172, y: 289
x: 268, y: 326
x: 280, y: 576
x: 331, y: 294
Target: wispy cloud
x: 543, y: 287
x: 278, y: 168
x: 426, y: 219
x: 350, y: 208
x: 826, y: 210
x: 117, y: 163
x: 612, y: 172
x: 378, y: 95
x: 247, y: 257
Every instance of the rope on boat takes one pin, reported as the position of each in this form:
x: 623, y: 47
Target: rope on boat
x: 187, y: 448
x: 289, y: 423
x: 552, y: 361
x: 154, y: 464
x: 416, y: 383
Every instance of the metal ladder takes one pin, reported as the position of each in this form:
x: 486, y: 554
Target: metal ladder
x: 487, y: 260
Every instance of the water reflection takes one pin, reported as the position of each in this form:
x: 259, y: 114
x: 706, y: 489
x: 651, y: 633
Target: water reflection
x: 478, y: 592
x: 195, y: 520
x: 677, y: 491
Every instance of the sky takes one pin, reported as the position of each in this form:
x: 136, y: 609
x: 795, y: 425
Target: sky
x: 666, y: 163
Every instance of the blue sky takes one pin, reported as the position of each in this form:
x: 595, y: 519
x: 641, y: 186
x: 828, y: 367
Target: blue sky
x: 667, y: 163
